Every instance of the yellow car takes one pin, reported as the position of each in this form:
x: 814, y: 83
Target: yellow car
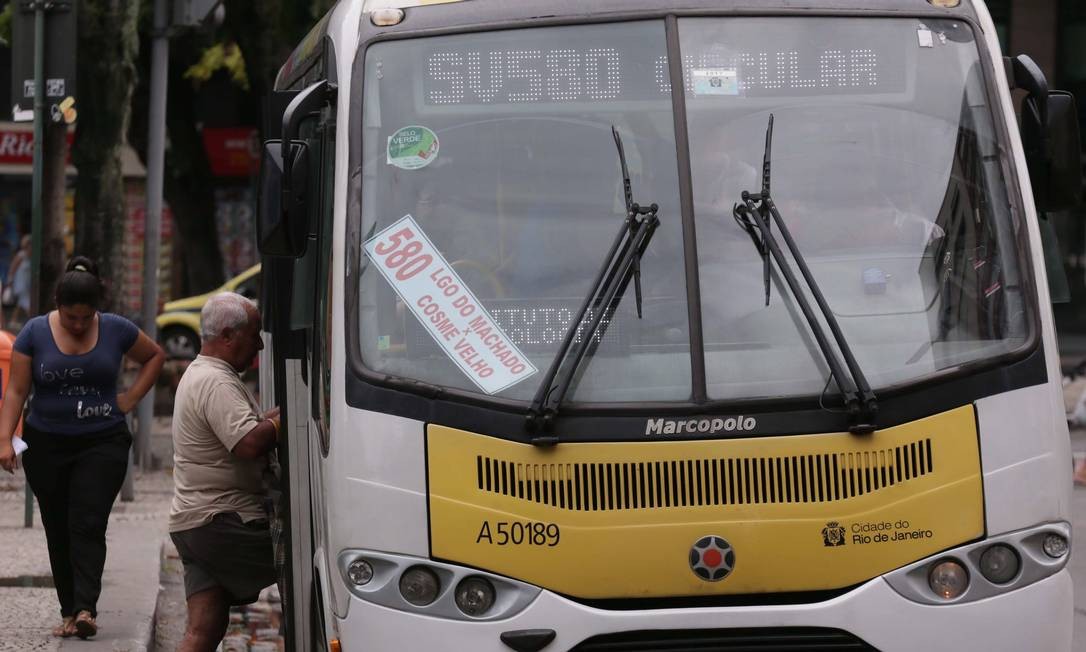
x: 179, y: 323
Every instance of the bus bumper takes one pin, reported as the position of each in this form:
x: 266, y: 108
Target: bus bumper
x: 1035, y: 617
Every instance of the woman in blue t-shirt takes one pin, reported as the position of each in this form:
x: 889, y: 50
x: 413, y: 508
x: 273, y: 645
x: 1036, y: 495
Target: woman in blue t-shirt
x: 76, y: 431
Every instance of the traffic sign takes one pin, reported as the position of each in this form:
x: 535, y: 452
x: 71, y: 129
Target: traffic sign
x: 60, y: 40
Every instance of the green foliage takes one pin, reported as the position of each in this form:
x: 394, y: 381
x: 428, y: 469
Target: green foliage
x: 5, y: 25
x: 221, y: 56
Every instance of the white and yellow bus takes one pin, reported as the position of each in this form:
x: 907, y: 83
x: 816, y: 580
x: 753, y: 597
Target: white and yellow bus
x: 669, y: 325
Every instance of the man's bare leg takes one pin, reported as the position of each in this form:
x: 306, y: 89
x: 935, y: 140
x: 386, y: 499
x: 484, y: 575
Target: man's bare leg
x: 209, y: 614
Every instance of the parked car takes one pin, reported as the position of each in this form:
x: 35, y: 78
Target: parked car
x: 179, y: 323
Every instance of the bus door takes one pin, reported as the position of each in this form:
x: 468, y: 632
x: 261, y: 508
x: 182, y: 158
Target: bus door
x: 294, y: 376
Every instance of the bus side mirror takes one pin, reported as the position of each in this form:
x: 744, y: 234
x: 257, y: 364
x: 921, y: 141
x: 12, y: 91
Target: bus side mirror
x: 284, y: 222
x: 1050, y: 138
x: 1053, y: 152
x: 283, y: 230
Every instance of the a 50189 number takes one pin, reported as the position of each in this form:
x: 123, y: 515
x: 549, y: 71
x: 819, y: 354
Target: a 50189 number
x: 519, y: 533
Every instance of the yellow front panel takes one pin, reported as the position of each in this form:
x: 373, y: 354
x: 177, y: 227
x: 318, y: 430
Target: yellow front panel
x: 618, y: 520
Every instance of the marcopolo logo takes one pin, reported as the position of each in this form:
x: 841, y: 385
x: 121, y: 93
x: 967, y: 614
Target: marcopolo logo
x: 705, y: 426
x: 712, y: 558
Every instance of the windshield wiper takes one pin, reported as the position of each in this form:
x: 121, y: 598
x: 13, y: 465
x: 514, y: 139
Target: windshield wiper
x: 754, y: 215
x: 622, y: 263
x: 743, y: 218
x: 631, y: 210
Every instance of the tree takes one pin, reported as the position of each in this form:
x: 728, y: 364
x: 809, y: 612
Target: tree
x: 108, y: 29
x: 242, y: 54
x: 228, y: 69
x: 187, y: 180
x: 255, y: 39
x: 54, y: 147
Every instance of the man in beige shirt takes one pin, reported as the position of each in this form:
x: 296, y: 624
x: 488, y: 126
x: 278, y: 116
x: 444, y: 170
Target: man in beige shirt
x: 221, y: 444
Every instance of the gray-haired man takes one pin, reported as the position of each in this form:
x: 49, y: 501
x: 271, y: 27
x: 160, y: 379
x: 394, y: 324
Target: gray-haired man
x: 221, y: 442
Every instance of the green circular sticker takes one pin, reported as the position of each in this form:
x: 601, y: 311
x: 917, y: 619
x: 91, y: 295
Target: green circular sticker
x: 411, y: 148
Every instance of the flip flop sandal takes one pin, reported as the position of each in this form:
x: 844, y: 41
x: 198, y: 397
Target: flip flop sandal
x: 85, y: 627
x: 66, y: 628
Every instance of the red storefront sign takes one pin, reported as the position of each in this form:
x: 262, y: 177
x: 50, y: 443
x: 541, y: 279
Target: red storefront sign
x: 17, y: 144
x: 16, y: 147
x: 232, y: 151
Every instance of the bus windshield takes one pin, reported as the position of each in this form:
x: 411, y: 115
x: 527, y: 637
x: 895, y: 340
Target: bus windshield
x: 491, y: 190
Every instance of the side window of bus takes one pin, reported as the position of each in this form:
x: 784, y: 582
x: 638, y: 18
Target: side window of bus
x: 321, y: 342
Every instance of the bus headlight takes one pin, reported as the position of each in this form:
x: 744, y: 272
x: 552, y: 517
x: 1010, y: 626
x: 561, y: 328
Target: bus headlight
x: 1055, y: 545
x: 948, y: 579
x: 437, y: 589
x: 999, y: 564
x: 419, y: 586
x: 360, y: 572
x: 986, y: 568
x: 474, y: 595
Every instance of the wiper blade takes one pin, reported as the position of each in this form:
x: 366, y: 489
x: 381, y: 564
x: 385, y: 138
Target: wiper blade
x: 631, y: 208
x: 621, y: 265
x: 744, y: 219
x: 755, y: 214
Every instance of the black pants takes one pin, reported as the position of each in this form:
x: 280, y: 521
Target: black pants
x: 75, y: 479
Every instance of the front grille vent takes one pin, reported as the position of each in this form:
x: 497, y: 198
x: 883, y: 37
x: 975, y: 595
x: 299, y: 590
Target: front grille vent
x: 815, y: 478
x: 777, y: 639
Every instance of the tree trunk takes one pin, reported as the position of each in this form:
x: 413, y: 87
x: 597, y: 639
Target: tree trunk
x: 109, y: 42
x: 250, y: 25
x: 188, y: 187
x: 188, y: 183
x: 54, y: 150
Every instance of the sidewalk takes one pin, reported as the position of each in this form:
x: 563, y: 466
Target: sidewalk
x: 129, y: 585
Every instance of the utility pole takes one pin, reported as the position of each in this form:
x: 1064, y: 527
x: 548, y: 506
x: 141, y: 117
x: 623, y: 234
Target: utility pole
x: 36, y: 199
x: 152, y: 221
x: 185, y: 13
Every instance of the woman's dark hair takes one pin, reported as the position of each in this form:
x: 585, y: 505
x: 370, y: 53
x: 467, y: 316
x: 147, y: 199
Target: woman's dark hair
x: 80, y: 284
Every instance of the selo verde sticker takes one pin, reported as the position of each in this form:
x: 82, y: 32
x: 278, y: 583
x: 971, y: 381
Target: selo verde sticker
x: 411, y: 148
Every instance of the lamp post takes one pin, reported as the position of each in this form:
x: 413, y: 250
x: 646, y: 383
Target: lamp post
x: 185, y: 13
x: 36, y: 190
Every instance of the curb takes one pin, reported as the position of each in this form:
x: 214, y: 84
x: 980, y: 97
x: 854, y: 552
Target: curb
x: 170, y: 609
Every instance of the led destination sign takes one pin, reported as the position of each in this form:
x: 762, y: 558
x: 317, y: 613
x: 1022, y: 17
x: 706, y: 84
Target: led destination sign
x: 479, y: 71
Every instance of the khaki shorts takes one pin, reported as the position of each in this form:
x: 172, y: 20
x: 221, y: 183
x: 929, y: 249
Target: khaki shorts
x: 227, y: 553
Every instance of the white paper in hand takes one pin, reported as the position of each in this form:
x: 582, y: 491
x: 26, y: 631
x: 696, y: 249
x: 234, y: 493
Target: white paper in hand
x: 19, y: 445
